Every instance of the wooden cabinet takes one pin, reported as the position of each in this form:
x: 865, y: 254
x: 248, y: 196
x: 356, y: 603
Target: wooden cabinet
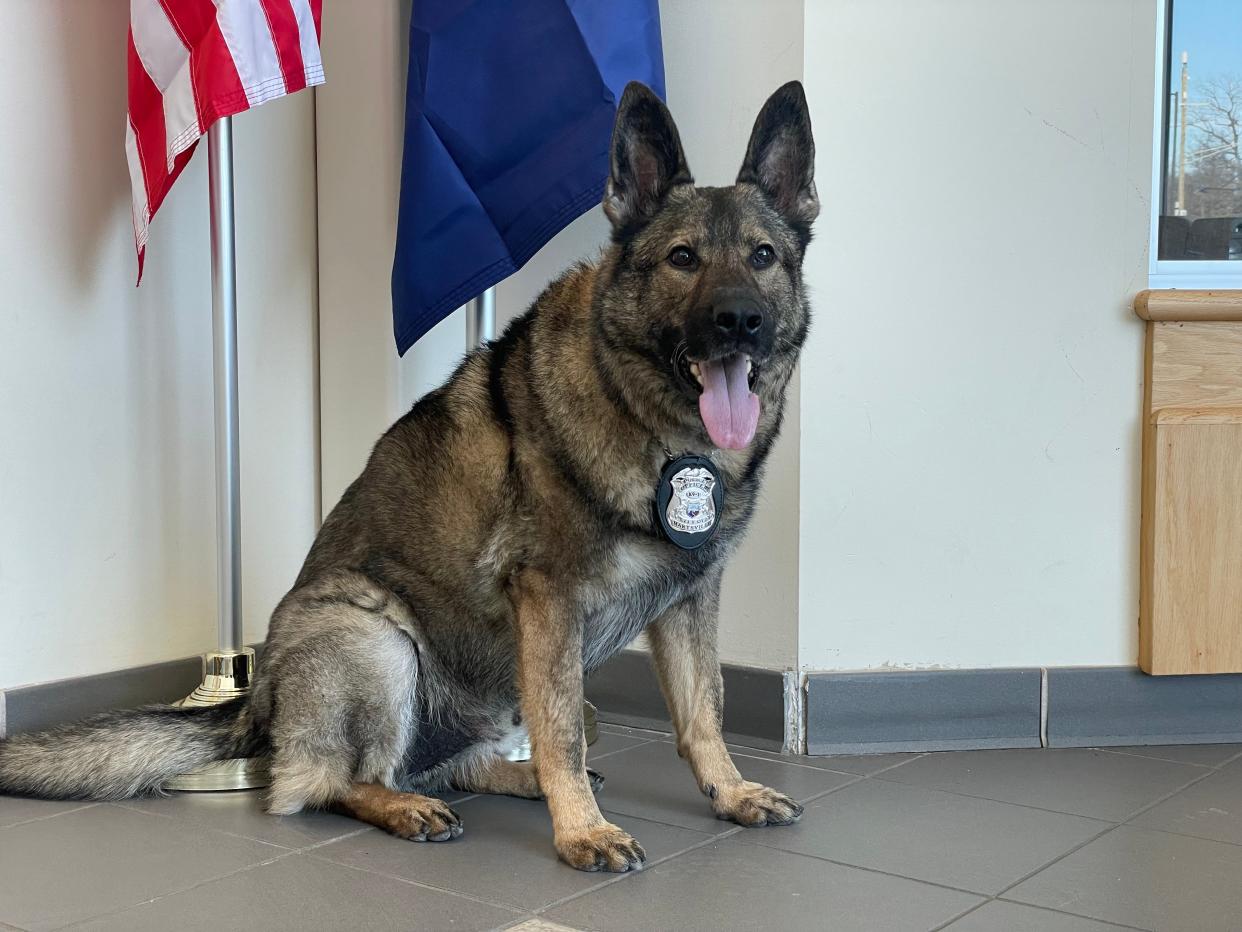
x: 1190, y: 603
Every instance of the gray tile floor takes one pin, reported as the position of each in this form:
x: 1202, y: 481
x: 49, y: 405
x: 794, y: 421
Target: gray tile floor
x: 1010, y: 841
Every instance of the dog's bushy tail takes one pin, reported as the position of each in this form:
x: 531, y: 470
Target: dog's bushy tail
x: 116, y: 755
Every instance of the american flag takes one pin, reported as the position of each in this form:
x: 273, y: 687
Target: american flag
x: 192, y: 62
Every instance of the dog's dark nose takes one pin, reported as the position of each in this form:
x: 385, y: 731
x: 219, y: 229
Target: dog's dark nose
x: 741, y: 317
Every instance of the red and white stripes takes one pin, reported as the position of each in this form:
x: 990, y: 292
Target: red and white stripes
x: 192, y: 62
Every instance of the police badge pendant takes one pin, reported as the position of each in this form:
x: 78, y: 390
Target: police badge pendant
x: 689, y: 500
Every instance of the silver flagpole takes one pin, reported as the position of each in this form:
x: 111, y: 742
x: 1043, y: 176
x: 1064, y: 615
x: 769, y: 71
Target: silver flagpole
x: 224, y: 357
x: 481, y: 321
x: 480, y: 328
x: 228, y: 670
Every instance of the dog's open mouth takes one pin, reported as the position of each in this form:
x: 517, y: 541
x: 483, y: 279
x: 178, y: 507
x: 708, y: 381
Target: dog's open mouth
x: 727, y: 404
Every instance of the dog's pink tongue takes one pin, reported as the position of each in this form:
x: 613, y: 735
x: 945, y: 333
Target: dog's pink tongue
x: 730, y: 410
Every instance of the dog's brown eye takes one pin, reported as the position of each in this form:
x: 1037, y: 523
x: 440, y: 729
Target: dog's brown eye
x: 762, y: 257
x: 682, y: 257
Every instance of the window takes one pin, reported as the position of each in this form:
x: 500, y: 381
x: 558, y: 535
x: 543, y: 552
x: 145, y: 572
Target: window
x: 1197, y: 196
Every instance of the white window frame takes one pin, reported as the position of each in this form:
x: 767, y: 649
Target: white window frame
x: 1176, y: 273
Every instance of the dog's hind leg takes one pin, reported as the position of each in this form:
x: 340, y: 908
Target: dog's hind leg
x: 406, y: 815
x: 336, y: 722
x: 498, y: 775
x: 343, y: 708
x: 504, y: 777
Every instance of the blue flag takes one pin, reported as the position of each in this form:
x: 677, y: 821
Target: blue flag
x: 509, y: 109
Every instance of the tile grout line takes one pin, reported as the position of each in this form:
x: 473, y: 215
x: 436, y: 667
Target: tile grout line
x: 900, y: 763
x: 915, y: 755
x: 262, y: 841
x: 1108, y: 824
x: 768, y: 760
x: 54, y: 815
x: 816, y: 797
x: 1208, y: 771
x: 120, y: 804
x: 740, y: 830
x: 1167, y: 760
x: 992, y: 898
x: 844, y: 773
x: 332, y: 841
x: 1047, y: 909
x: 1062, y: 912
x: 963, y: 915
x: 422, y: 884
x: 632, y: 747
x: 869, y: 870
x: 617, y: 878
x: 860, y: 778
x: 776, y: 757
x: 1129, y: 820
x: 667, y: 737
x: 1021, y: 880
x: 1165, y: 831
x: 1060, y: 857
x: 284, y: 853
x: 633, y: 731
x: 1166, y: 797
x: 1111, y: 828
x: 1004, y: 802
x: 1043, y: 867
x: 514, y: 923
x: 514, y: 906
x: 728, y: 833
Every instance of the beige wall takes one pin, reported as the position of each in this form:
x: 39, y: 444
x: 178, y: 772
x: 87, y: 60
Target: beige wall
x: 967, y: 451
x: 107, y: 555
x: 359, y: 115
x: 970, y: 452
x: 722, y: 59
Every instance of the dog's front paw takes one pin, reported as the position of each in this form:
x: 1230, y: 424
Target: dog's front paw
x: 601, y: 848
x: 753, y: 805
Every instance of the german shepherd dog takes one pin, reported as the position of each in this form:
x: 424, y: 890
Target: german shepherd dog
x: 504, y: 540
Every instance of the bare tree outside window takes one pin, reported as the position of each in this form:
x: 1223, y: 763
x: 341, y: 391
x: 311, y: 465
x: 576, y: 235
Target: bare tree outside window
x: 1201, y: 210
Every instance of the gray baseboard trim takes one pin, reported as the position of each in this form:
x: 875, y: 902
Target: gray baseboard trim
x: 626, y: 692
x: 1073, y: 707
x: 941, y: 710
x: 1112, y: 706
x: 845, y: 713
x: 43, y: 705
x: 31, y: 708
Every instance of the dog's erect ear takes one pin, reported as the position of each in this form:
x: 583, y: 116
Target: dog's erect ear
x: 646, y: 157
x: 780, y: 159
